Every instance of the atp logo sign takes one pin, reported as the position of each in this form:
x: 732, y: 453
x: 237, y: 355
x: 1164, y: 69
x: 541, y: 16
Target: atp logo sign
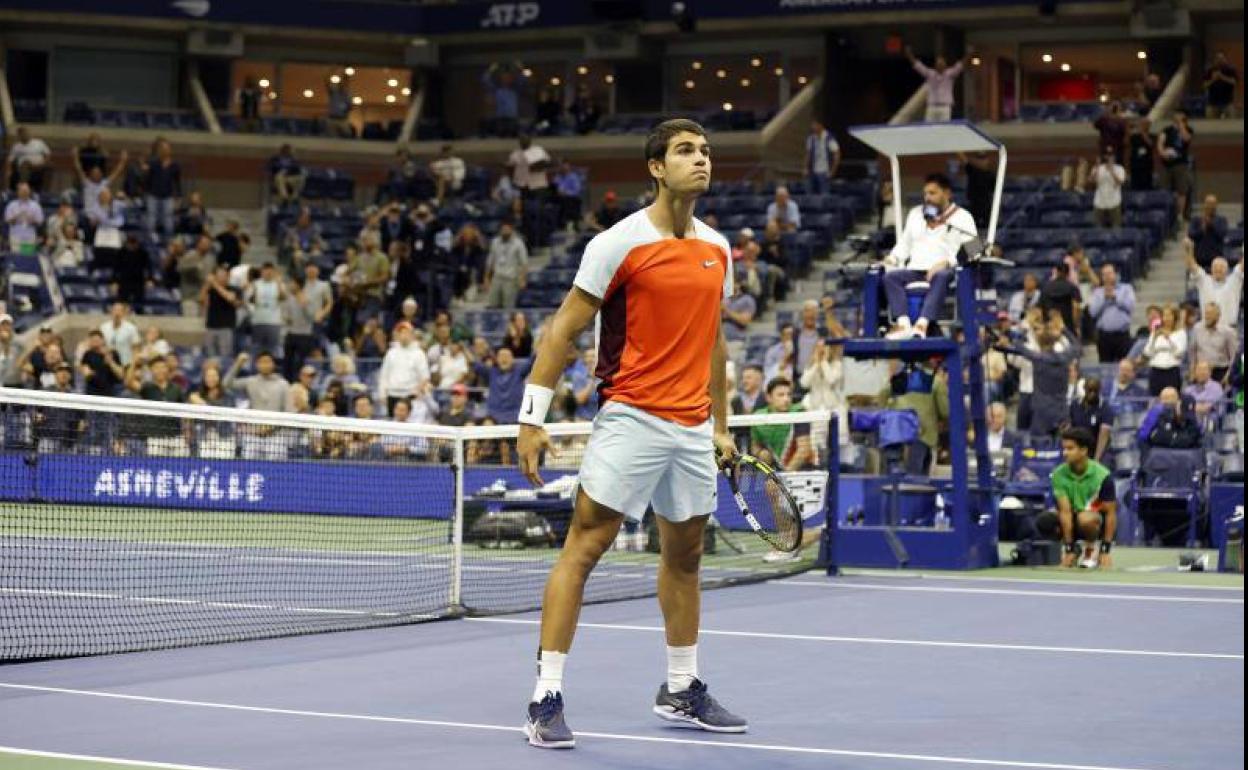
x: 506, y: 15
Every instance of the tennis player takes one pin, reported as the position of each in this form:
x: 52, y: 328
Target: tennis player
x: 655, y: 280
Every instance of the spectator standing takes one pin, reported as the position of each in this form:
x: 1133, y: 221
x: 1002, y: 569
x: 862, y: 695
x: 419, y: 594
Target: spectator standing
x: 91, y: 154
x: 68, y: 249
x: 230, y: 244
x: 264, y: 298
x: 1149, y: 90
x: 120, y: 333
x: 529, y: 164
x: 784, y: 211
x: 299, y: 314
x: 1050, y: 365
x: 505, y: 380
x: 193, y: 268
x: 266, y: 389
x: 193, y: 218
x: 738, y: 312
x: 549, y: 112
x: 456, y: 414
x: 101, y: 372
x: 89, y: 164
x: 1220, y: 284
x: 249, y: 98
x: 939, y: 79
x: 1142, y: 151
x: 1214, y: 343
x: 220, y: 305
x: 133, y: 273
x: 368, y: 274
x: 163, y: 187
x: 1094, y: 415
x: 24, y: 216
x: 1208, y: 233
x: 780, y: 360
x: 338, y: 108
x: 570, y: 189
x: 518, y: 337
x: 1026, y: 298
x: 503, y: 83
x: 1111, y: 307
x: 394, y: 227
x: 448, y: 172
x: 287, y: 175
x: 506, y: 269
x: 1175, y: 148
x: 55, y: 225
x: 584, y: 110
x: 1061, y: 295
x: 106, y: 219
x: 981, y: 182
x: 1125, y: 394
x: 823, y: 158
x: 468, y: 255
x: 404, y: 369
x: 1108, y: 176
x: 1165, y: 351
x: 1220, y: 81
x: 28, y: 160
x: 164, y: 435
x: 809, y: 335
x: 320, y: 297
x: 1111, y: 127
x: 823, y: 379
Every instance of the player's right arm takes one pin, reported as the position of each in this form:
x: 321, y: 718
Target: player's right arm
x: 576, y: 313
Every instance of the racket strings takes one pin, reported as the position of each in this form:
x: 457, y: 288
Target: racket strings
x: 771, y: 505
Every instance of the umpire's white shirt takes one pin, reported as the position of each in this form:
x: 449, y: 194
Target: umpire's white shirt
x: 921, y: 245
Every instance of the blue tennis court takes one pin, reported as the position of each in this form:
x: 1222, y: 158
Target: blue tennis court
x: 857, y: 672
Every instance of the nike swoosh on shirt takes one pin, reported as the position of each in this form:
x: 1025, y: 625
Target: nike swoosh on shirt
x: 709, y: 263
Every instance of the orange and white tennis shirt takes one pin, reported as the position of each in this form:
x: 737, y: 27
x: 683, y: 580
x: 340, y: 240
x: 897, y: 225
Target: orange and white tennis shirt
x: 660, y: 314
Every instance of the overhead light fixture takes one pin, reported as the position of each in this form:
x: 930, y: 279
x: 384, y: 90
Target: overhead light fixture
x: 406, y: 91
x: 745, y: 82
x: 779, y: 71
x: 582, y: 70
x: 697, y: 65
x: 308, y: 93
x: 357, y: 100
x: 1104, y: 98
x: 264, y: 82
x: 1141, y: 54
x: 393, y: 82
x: 801, y: 79
x: 608, y: 78
x: 976, y: 61
x: 335, y: 79
x: 391, y: 98
x: 528, y: 73
x: 555, y: 81
x: 272, y: 95
x: 756, y: 62
x: 1046, y: 58
x: 727, y: 106
x: 1065, y: 67
x: 689, y: 84
x: 721, y: 73
x: 349, y: 71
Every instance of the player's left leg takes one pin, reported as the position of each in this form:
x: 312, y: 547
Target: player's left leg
x: 690, y: 484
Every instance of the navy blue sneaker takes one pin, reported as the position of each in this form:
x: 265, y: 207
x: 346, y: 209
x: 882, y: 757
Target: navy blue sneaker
x: 696, y: 708
x: 545, y: 727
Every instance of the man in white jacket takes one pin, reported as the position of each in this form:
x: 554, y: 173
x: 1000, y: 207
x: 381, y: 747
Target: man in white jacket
x: 405, y: 368
x: 927, y: 250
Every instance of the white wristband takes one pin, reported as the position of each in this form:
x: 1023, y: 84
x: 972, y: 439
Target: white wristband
x: 535, y: 405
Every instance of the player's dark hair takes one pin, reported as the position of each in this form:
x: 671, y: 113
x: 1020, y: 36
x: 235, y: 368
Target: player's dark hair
x: 940, y: 180
x: 1081, y: 436
x: 778, y: 382
x: 661, y: 136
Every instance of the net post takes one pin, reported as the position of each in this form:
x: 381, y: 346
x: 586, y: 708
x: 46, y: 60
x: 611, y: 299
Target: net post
x: 831, y: 499
x: 455, y: 600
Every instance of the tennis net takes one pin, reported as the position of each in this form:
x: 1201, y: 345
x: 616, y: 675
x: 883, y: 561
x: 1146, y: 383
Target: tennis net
x: 129, y: 525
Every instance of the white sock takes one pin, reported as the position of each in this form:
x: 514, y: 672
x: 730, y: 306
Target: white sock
x: 682, y: 667
x: 549, y: 674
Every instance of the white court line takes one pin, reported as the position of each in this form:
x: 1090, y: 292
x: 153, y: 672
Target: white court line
x: 724, y: 744
x: 906, y: 575
x: 1120, y: 597
x: 899, y: 642
x: 111, y: 760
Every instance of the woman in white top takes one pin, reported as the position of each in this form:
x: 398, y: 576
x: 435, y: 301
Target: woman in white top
x: 824, y: 381
x: 1165, y: 351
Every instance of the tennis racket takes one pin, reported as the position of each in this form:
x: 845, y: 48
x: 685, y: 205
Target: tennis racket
x: 765, y: 502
